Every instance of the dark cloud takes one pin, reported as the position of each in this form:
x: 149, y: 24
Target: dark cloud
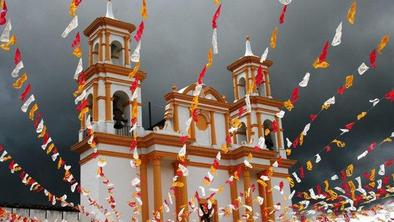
x: 175, y: 43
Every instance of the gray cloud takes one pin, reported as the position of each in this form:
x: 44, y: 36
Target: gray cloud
x: 175, y: 43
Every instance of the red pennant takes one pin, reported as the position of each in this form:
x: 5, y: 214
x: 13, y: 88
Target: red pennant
x: 275, y: 126
x: 327, y: 149
x: 366, y: 175
x: 343, y: 175
x: 82, y: 105
x: 349, y: 126
x: 1, y: 148
x: 25, y: 93
x: 294, y: 95
x: 216, y: 16
x: 312, y: 117
x: 77, y: 2
x: 17, y: 57
x: 372, y: 147
x: 3, y: 14
x: 386, y: 180
x: 259, y: 76
x: 201, y: 75
x: 77, y: 41
x: 301, y: 172
x: 281, y: 185
x: 341, y: 90
x: 183, y: 139
x: 134, y: 84
x: 282, y: 14
x: 372, y: 58
x: 37, y: 119
x: 195, y: 115
x: 390, y: 96
x: 140, y: 31
x: 133, y: 144
x: 318, y: 189
x: 241, y: 111
x: 295, y: 142
x: 229, y: 139
x: 388, y: 163
x: 324, y: 52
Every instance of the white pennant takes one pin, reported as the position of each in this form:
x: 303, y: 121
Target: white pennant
x: 135, y: 57
x: 17, y: 69
x: 330, y: 101
x: 40, y: 127
x: 338, y: 36
x: 296, y: 177
x: 305, y: 80
x: 79, y: 69
x: 27, y: 103
x: 80, y: 97
x: 291, y: 195
x: 5, y: 35
x: 264, y: 55
x: 362, y: 69
x: 215, y: 41
x: 289, y: 143
x: 280, y: 114
x: 379, y: 184
x: 248, y: 105
x: 364, y: 154
x: 343, y: 131
x: 318, y: 158
x: 44, y: 146
x: 340, y: 190
x: 202, y: 191
x: 260, y: 200
x: 381, y: 170
x: 306, y: 129
x: 285, y: 2
x: 335, y: 177
x: 71, y: 26
x: 374, y: 101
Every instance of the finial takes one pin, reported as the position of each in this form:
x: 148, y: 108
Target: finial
x: 109, y: 13
x: 248, y: 48
x: 173, y: 87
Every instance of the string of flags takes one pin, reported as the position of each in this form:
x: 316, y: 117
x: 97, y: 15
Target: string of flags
x: 348, y: 170
x: 348, y: 83
x: 310, y: 165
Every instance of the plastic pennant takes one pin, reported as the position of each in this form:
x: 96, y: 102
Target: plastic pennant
x: 215, y: 41
x: 264, y: 56
x: 5, y: 35
x: 27, y: 103
x: 305, y: 80
x: 135, y: 56
x: 362, y: 69
x: 70, y: 27
x: 383, y: 43
x: 20, y: 81
x: 282, y: 14
x: 273, y: 38
x: 338, y: 36
x: 351, y: 15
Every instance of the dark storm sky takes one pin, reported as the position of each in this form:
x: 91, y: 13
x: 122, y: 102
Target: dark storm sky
x: 176, y: 39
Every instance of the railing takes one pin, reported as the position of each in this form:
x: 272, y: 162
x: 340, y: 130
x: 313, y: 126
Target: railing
x: 125, y: 131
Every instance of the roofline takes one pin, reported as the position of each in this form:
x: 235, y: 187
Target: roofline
x: 248, y: 59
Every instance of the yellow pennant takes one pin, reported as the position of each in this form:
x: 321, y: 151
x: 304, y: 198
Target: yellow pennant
x: 317, y: 64
x: 352, y: 189
x: 383, y: 43
x: 217, y: 2
x: 339, y: 143
x: 19, y: 82
x: 135, y: 70
x: 270, y: 171
x: 79, y: 90
x: 387, y: 140
x: 349, y: 81
x: 144, y: 10
x: 50, y: 148
x: 309, y: 165
x: 291, y: 181
x: 43, y: 132
x: 333, y: 195
x: 264, y: 184
x: 210, y: 58
x: 236, y: 123
x: 372, y: 184
x: 301, y: 139
x: 351, y: 14
x: 361, y: 115
x: 250, y: 156
x: 77, y: 52
x: 224, y: 148
x: 326, y: 185
x: 372, y: 175
x: 135, y: 108
x: 32, y: 111
x: 349, y: 170
x: 6, y: 46
x: 59, y: 163
x: 306, y: 196
x: 288, y: 105
x: 288, y: 152
x: 72, y: 10
x: 273, y: 38
x: 83, y: 112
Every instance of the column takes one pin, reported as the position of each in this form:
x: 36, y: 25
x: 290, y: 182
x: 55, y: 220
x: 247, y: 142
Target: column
x: 175, y: 119
x: 107, y: 47
x: 263, y: 207
x: 192, y: 131
x: 158, y: 201
x: 248, y: 201
x: 126, y: 39
x: 259, y: 124
x: 95, y: 102
x: 234, y: 195
x: 144, y: 189
x: 181, y: 199
x: 100, y: 52
x: 235, y: 85
x: 90, y: 61
x: 246, y: 80
x: 108, y: 100
x: 249, y: 128
x: 270, y: 200
x: 213, y: 128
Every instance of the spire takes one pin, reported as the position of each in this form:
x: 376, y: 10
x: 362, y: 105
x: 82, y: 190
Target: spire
x: 109, y: 13
x: 248, y: 48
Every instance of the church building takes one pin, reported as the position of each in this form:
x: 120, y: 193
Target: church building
x: 109, y: 42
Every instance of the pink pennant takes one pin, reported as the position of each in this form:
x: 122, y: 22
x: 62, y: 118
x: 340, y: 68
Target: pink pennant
x: 216, y: 16
x: 140, y: 31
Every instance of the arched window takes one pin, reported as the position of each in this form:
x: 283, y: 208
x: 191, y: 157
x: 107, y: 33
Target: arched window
x: 121, y: 113
x: 95, y: 53
x: 270, y: 136
x: 116, y: 53
x: 90, y: 106
x: 241, y: 134
x: 241, y: 87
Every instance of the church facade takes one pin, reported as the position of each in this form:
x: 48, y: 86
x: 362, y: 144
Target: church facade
x: 110, y: 104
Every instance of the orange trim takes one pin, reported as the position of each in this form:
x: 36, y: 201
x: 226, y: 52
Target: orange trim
x: 175, y: 118
x: 126, y: 40
x: 249, y: 199
x: 157, y: 186
x: 90, y: 56
x: 256, y: 100
x: 100, y: 53
x: 192, y: 130
x: 144, y: 189
x: 107, y: 47
x: 247, y: 59
x: 279, y: 134
x: 270, y: 200
x: 207, y: 90
x: 249, y: 127
x: 104, y: 21
x: 213, y: 128
x: 235, y: 86
x: 246, y: 79
x: 234, y: 195
x: 171, y: 96
x: 267, y: 83
x: 263, y: 207
x: 109, y: 68
x: 259, y: 125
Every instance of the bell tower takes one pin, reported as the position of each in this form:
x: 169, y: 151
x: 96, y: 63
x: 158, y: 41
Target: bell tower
x: 254, y: 105
x: 107, y: 82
